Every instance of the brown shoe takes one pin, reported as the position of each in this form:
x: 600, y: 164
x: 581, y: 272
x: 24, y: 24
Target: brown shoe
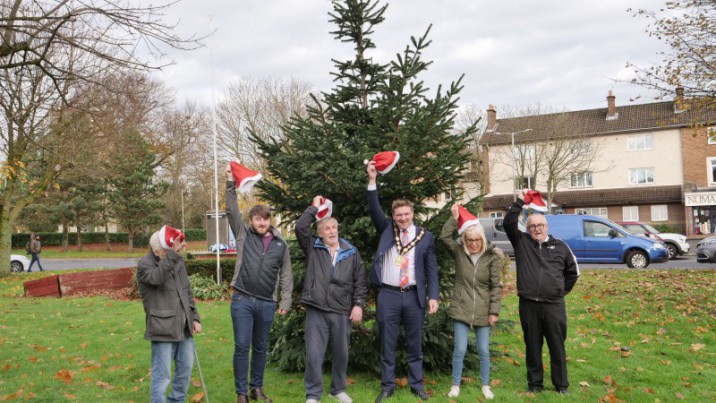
x: 258, y: 394
x: 242, y: 399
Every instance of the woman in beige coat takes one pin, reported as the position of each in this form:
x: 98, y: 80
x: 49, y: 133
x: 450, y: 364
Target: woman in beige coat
x: 477, y: 295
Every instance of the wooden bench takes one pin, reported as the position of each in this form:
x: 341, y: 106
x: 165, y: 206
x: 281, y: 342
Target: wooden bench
x: 76, y: 283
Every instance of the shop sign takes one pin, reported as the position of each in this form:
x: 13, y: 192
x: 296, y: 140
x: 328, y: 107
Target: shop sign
x: 700, y: 199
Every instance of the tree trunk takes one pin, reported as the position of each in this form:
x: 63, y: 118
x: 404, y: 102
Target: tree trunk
x: 5, y: 244
x: 106, y: 236
x: 130, y: 236
x: 79, y: 239
x: 65, y: 236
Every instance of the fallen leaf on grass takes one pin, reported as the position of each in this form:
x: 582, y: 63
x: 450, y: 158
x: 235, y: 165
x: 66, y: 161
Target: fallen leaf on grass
x: 625, y: 354
x: 585, y: 384
x: 198, y: 398
x: 83, y: 345
x: 104, y: 385
x: 511, y: 361
x: 402, y: 382
x: 679, y: 395
x: 13, y: 396
x: 196, y: 383
x: 70, y: 396
x: 6, y: 367
x: 64, y: 375
x: 648, y: 390
x: 32, y: 359
x: 350, y: 381
x: 696, y: 347
x: 608, y: 380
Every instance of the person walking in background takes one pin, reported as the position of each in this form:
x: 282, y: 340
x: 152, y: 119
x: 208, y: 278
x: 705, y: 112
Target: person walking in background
x: 35, y: 250
x: 546, y: 272
x: 406, y: 270
x: 262, y: 272
x: 171, y: 315
x: 477, y: 296
x: 334, y: 293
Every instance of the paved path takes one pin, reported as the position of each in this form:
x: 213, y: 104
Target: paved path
x: 66, y: 264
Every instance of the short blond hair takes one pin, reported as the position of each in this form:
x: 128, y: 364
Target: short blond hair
x: 474, y: 230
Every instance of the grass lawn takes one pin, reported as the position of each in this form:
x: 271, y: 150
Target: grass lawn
x: 634, y: 336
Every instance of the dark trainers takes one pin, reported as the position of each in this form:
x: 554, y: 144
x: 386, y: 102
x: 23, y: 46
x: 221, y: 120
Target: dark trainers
x: 258, y: 394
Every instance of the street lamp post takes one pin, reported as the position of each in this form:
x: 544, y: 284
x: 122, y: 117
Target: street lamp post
x: 182, y: 212
x: 514, y: 161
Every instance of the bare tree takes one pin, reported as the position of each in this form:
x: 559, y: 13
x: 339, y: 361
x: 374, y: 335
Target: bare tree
x: 689, y: 29
x: 47, y: 48
x: 261, y: 106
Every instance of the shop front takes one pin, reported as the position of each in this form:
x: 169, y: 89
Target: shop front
x: 701, y: 208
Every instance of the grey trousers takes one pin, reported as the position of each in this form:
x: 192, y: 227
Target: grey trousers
x: 322, y: 326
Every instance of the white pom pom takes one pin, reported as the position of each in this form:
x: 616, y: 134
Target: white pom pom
x: 365, y: 162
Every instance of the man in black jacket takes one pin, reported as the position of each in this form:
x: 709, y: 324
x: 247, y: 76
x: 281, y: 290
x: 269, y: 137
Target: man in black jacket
x: 261, y: 274
x: 546, y: 272
x: 334, y: 293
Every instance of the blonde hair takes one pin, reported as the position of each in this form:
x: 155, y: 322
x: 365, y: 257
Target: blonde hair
x: 474, y: 230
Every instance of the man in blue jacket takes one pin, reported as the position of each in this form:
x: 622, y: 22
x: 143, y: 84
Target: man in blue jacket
x: 405, y: 262
x: 334, y: 292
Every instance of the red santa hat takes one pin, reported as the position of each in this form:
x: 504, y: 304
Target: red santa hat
x: 167, y: 236
x: 465, y: 219
x: 245, y: 178
x: 534, y: 200
x: 385, y: 161
x: 325, y: 209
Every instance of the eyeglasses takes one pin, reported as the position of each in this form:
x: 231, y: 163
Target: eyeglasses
x: 536, y: 226
x: 473, y: 240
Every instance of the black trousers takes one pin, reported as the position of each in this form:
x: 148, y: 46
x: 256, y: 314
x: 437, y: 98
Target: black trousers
x: 544, y: 321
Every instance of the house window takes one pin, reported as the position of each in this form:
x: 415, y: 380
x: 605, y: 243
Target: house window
x: 597, y: 211
x: 711, y: 166
x: 525, y: 182
x: 630, y: 213
x: 659, y: 212
x: 637, y: 142
x: 711, y: 133
x: 641, y: 176
x: 581, y: 180
x: 496, y: 214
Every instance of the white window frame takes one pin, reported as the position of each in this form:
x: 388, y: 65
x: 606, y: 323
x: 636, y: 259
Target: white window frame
x: 659, y: 212
x: 595, y: 211
x: 630, y: 213
x: 644, y: 171
x: 711, y: 135
x: 711, y: 170
x: 585, y: 178
x: 497, y: 214
x: 640, y: 142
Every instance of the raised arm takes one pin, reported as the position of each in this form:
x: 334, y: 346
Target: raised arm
x: 510, y: 222
x: 380, y: 221
x: 446, y: 235
x: 303, y: 226
x: 233, y: 214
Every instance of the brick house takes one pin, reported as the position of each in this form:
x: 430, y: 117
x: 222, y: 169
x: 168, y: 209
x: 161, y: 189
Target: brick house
x: 649, y: 163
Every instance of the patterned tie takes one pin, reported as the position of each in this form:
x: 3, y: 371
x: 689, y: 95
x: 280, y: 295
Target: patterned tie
x: 404, y: 266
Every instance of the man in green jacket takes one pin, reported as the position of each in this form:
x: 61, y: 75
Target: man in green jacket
x: 171, y: 315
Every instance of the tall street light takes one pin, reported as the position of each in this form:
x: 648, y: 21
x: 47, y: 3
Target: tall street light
x: 514, y: 161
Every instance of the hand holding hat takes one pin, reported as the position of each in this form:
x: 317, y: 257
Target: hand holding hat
x: 325, y: 207
x: 245, y: 178
x: 465, y: 219
x: 384, y: 161
x: 170, y: 237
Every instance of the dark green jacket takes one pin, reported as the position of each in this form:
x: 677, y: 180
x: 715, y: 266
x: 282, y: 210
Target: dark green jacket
x: 478, y: 288
x: 167, y: 297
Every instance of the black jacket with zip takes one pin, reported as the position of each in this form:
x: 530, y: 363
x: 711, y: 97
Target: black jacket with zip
x: 546, y: 271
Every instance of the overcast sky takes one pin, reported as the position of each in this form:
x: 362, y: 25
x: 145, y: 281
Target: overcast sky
x: 562, y: 54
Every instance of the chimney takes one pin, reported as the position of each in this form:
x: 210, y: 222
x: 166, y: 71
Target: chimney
x: 611, y: 106
x: 491, y: 117
x: 679, y: 100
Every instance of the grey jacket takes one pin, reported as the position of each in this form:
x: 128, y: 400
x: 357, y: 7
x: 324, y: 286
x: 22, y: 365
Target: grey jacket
x: 327, y: 287
x: 275, y: 266
x: 167, y: 297
x: 478, y: 288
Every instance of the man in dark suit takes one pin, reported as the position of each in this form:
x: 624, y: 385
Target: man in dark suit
x: 404, y: 263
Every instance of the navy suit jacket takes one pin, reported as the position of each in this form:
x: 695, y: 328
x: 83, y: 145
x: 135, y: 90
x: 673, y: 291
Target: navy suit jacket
x: 426, y: 262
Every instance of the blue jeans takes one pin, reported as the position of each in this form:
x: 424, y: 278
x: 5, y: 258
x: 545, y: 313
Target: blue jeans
x: 252, y: 319
x: 483, y: 351
x: 35, y: 258
x: 182, y: 353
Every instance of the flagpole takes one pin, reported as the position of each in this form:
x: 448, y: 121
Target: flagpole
x: 216, y: 158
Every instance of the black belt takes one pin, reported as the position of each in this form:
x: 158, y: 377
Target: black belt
x: 399, y: 289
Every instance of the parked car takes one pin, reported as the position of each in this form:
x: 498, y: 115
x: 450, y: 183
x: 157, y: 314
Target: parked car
x: 495, y: 233
x: 675, y: 243
x: 19, y: 263
x: 598, y: 240
x: 706, y: 250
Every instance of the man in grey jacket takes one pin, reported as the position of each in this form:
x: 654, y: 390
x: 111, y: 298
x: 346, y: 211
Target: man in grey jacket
x: 334, y: 293
x: 171, y: 317
x: 262, y: 272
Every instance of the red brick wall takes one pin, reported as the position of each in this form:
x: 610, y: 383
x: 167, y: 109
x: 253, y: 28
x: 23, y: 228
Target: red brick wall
x: 695, y: 150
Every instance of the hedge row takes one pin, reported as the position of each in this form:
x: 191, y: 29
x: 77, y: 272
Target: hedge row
x: 55, y: 238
